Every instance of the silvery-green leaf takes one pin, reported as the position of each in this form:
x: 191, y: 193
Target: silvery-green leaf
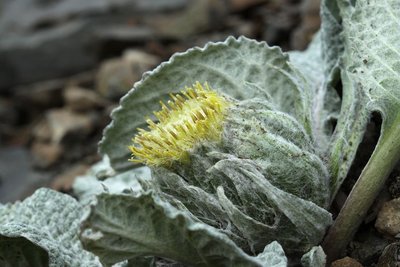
x: 87, y: 185
x: 314, y: 258
x: 203, y: 205
x: 43, y: 231
x: 359, y: 41
x: 325, y: 102
x: 306, y: 220
x: 331, y: 45
x: 370, y: 75
x: 319, y: 64
x: 122, y: 227
x: 241, y: 68
x: 280, y: 146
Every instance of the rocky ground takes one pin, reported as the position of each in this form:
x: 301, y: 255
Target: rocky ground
x: 64, y: 65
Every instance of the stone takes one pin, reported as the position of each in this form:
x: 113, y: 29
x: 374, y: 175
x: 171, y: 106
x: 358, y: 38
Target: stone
x: 126, y: 33
x: 366, y: 246
x: 41, y: 131
x: 117, y: 76
x: 46, y: 155
x: 83, y: 79
x: 240, y: 26
x: 140, y: 58
x: 388, y: 220
x: 8, y: 119
x: 394, y: 186
x: 64, y: 122
x: 64, y: 181
x: 309, y: 25
x: 40, y: 95
x: 279, y: 20
x: 17, y: 178
x: 8, y: 112
x: 198, y: 16
x: 52, y: 53
x: 241, y: 5
x: 64, y: 134
x: 59, y: 38
x: 49, y: 93
x: 346, y: 262
x: 390, y: 255
x: 80, y: 99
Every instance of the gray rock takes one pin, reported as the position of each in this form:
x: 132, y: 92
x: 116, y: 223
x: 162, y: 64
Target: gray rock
x: 366, y: 246
x: 45, y: 94
x: 8, y: 112
x: 41, y: 132
x: 46, y: 155
x: 17, y: 179
x: 242, y: 5
x: 54, y: 53
x: 59, y: 38
x: 117, y: 76
x: 80, y: 99
x: 46, y: 13
x: 310, y: 23
x: 64, y: 181
x: 390, y: 256
x: 64, y: 122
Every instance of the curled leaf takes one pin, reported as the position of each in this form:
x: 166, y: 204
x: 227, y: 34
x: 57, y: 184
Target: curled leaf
x: 121, y: 227
x: 43, y: 231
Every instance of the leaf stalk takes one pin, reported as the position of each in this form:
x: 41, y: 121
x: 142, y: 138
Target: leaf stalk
x: 365, y: 191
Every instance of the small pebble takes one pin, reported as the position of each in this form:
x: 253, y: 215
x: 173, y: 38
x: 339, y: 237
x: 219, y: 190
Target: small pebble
x: 388, y: 220
x: 346, y: 262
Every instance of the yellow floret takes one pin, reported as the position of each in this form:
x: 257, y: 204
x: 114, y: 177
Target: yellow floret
x: 194, y: 115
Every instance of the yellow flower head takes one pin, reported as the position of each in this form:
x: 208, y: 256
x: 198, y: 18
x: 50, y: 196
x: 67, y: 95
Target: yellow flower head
x: 194, y: 115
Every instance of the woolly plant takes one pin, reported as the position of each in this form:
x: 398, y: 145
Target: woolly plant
x: 228, y: 155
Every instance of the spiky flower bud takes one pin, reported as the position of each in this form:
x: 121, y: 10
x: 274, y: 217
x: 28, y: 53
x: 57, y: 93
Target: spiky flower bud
x: 207, y: 147
x: 193, y: 116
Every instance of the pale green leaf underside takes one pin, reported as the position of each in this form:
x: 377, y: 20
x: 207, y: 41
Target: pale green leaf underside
x: 122, y: 227
x: 370, y: 71
x: 43, y: 231
x: 241, y: 68
x: 89, y: 185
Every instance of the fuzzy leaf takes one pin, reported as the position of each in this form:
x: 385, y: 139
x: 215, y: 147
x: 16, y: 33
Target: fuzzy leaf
x: 306, y: 219
x: 43, y: 231
x: 122, y: 227
x: 241, y: 68
x: 370, y: 75
x: 321, y: 75
x: 88, y: 185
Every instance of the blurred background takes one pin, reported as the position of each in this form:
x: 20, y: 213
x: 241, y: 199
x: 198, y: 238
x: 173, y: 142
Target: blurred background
x: 64, y: 64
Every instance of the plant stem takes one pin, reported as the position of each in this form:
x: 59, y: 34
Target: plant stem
x: 366, y: 189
